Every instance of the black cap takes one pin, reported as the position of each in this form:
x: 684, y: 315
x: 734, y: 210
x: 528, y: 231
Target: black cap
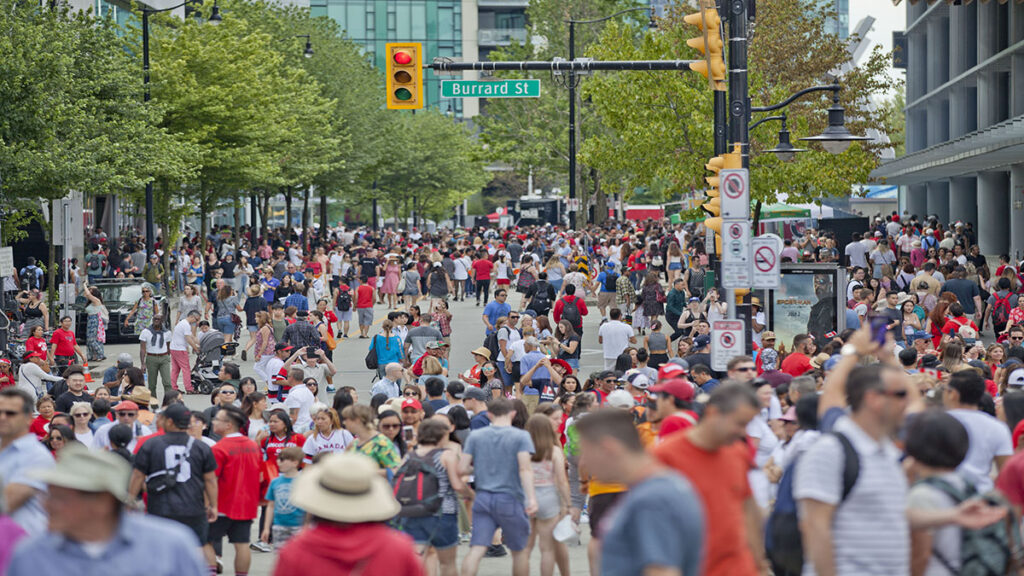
x: 179, y: 415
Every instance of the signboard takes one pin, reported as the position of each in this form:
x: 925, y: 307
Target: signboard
x: 735, y: 189
x: 6, y: 261
x: 764, y: 253
x: 526, y: 88
x: 727, y: 342
x: 810, y: 299
x: 736, y: 254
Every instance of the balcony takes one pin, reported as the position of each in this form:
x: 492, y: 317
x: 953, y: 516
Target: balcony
x: 500, y: 37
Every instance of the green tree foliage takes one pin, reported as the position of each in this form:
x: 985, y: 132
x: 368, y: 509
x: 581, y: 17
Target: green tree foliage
x: 661, y: 123
x: 71, y: 112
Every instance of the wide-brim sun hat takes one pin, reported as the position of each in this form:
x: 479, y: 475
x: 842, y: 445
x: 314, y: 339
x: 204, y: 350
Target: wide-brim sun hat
x: 345, y: 488
x: 88, y: 471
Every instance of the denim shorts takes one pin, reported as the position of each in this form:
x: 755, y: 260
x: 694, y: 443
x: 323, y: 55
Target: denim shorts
x: 441, y: 531
x: 225, y: 325
x: 493, y: 510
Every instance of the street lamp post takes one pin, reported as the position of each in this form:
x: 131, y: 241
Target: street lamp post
x: 214, y: 19
x: 571, y: 74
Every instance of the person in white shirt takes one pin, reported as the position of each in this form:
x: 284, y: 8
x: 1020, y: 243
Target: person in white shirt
x: 154, y: 351
x: 614, y: 336
x: 990, y: 441
x: 856, y: 252
x: 182, y: 338
x: 32, y: 377
x: 460, y: 275
x: 326, y: 435
x: 300, y: 400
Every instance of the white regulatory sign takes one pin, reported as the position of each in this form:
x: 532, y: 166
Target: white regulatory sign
x: 736, y: 254
x: 727, y: 342
x: 6, y: 261
x: 734, y: 186
x: 764, y: 254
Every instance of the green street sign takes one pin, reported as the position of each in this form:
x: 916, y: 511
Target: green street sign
x: 490, y: 88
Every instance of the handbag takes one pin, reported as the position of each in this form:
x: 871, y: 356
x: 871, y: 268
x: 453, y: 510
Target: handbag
x: 371, y: 355
x: 331, y: 342
x: 167, y: 479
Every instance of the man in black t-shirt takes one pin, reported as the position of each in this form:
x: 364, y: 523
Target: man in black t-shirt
x: 540, y: 297
x: 179, y: 473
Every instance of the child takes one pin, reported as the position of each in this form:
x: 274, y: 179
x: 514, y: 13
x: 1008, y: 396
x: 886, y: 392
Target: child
x: 283, y: 520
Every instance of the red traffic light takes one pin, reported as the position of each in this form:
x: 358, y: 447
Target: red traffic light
x: 402, y: 58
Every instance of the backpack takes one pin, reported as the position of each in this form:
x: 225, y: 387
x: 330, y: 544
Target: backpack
x: 1001, y: 309
x: 988, y: 551
x: 491, y: 343
x: 782, y: 533
x: 526, y: 279
x: 541, y: 301
x: 571, y: 312
x: 417, y: 486
x: 609, y: 281
x: 344, y: 301
x: 31, y: 277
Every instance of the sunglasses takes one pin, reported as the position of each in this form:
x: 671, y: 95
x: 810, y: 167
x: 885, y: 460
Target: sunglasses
x: 127, y: 414
x: 390, y: 426
x: 412, y: 394
x: 513, y: 317
x: 82, y: 415
x: 746, y: 369
x: 1016, y: 337
x: 894, y: 393
x: 9, y: 413
x: 231, y: 392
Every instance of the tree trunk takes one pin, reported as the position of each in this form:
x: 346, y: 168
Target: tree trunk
x: 51, y: 274
x: 288, y: 211
x: 265, y: 213
x: 394, y: 206
x: 323, y: 215
x: 238, y: 226
x: 600, y: 199
x: 203, y: 220
x: 305, y: 218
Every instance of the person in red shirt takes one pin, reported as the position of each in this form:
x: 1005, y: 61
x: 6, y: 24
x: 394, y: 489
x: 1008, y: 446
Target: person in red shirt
x: 364, y: 307
x: 798, y: 362
x: 957, y: 320
x: 46, y: 408
x: 240, y: 474
x: 350, y: 503
x: 63, y: 347
x: 482, y: 268
x: 569, y: 300
x: 37, y: 342
x: 715, y: 458
x: 673, y: 406
x: 281, y: 436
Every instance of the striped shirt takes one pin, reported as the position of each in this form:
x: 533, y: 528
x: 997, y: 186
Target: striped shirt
x: 870, y: 533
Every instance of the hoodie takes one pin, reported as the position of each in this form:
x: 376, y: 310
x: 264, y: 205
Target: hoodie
x: 365, y: 549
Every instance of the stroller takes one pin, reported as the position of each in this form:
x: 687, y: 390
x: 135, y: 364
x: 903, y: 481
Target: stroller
x: 206, y: 370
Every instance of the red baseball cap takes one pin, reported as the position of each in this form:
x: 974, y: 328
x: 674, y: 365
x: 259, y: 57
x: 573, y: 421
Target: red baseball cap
x: 33, y: 354
x: 677, y: 387
x: 670, y: 370
x: 125, y: 405
x: 410, y: 402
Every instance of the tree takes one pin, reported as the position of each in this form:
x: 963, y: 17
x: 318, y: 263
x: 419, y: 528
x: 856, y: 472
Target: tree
x: 71, y: 112
x: 661, y: 123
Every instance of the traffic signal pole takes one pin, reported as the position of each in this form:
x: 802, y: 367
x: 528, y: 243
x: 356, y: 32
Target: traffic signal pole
x: 739, y: 100
x: 572, y: 129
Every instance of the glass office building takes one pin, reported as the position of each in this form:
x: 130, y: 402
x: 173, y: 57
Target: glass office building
x: 374, y: 23
x: 840, y: 25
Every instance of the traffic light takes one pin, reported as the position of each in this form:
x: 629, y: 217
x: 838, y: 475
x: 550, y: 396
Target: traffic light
x: 713, y: 206
x: 404, y: 76
x: 709, y: 43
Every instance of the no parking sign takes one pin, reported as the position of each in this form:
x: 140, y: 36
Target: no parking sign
x: 727, y: 342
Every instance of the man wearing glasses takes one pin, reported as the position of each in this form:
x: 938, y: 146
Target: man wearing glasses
x: 127, y: 413
x: 495, y: 309
x: 21, y: 453
x: 742, y: 369
x: 1016, y: 336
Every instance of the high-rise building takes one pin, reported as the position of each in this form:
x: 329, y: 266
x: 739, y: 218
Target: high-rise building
x: 964, y: 120
x: 840, y: 24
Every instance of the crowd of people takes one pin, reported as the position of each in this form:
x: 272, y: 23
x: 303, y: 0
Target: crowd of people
x: 887, y: 447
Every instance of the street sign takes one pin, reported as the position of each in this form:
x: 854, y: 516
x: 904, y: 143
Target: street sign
x: 727, y: 342
x: 736, y: 254
x: 765, y: 250
x: 490, y: 88
x: 6, y: 261
x: 735, y: 188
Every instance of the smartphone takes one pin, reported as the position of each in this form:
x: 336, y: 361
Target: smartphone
x: 879, y: 326
x: 407, y: 433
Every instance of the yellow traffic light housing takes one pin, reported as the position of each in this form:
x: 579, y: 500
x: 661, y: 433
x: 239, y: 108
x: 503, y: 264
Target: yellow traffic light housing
x: 713, y: 205
x: 709, y: 44
x: 404, y: 75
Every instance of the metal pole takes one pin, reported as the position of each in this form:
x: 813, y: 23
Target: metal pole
x: 374, y: 209
x: 150, y: 224
x: 3, y: 281
x: 253, y: 217
x: 739, y: 101
x: 572, y: 128
x: 65, y: 205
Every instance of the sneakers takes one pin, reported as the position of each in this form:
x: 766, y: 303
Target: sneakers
x: 465, y: 537
x: 495, y: 551
x: 220, y: 566
x: 261, y: 546
x: 330, y: 389
x: 244, y: 356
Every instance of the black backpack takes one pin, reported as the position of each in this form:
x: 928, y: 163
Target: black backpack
x: 609, y: 281
x: 344, y: 301
x: 541, y: 301
x: 417, y: 486
x: 782, y: 534
x: 491, y: 343
x: 571, y: 312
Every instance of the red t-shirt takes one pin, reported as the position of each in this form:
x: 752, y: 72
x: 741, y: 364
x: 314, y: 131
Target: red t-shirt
x: 1017, y: 431
x: 370, y: 548
x: 482, y: 269
x: 34, y: 344
x: 40, y: 427
x: 272, y: 445
x: 720, y: 478
x: 1011, y: 480
x: 675, y: 422
x: 330, y: 317
x: 65, y: 341
x: 796, y: 364
x: 364, y: 296
x: 239, y: 473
